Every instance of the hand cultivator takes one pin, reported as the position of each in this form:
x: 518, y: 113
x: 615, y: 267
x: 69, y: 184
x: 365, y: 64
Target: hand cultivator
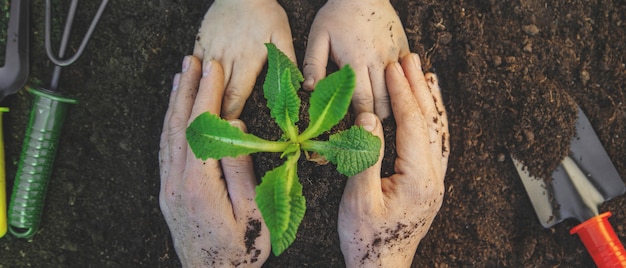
x: 40, y: 142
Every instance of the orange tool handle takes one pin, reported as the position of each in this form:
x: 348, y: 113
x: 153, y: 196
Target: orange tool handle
x: 601, y: 241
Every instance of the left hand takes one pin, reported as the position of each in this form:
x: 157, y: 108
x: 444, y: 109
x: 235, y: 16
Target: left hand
x: 208, y: 205
x: 368, y: 35
x: 382, y: 221
x: 233, y: 33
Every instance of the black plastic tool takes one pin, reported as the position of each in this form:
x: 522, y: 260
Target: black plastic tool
x: 14, y: 72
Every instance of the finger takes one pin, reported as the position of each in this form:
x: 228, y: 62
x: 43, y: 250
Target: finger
x: 404, y: 49
x: 363, y: 98
x: 363, y: 190
x: 413, y: 71
x: 204, y: 177
x: 240, y: 179
x: 210, y: 92
x: 199, y: 48
x: 379, y: 91
x: 433, y: 85
x: 226, y: 61
x: 404, y: 43
x: 203, y: 180
x: 164, y: 154
x: 214, y: 51
x: 181, y: 110
x: 170, y: 104
x: 284, y: 43
x: 316, y: 57
x: 241, y: 84
x: 411, y: 134
x: 198, y: 51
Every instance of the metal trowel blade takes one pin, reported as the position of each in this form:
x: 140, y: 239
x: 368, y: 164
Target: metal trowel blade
x: 585, y: 179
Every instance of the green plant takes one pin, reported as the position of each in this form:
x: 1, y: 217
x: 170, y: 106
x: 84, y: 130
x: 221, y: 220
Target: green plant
x: 279, y: 196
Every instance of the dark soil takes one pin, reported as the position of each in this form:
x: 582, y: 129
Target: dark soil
x: 511, y: 73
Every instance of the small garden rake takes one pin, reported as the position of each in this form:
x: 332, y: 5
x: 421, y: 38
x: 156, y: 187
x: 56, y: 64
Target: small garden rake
x: 42, y: 136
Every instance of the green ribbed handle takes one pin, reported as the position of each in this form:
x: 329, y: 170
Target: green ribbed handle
x: 33, y: 171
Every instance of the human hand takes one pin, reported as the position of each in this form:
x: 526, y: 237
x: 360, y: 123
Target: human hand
x: 366, y: 34
x: 233, y: 33
x: 382, y: 221
x: 208, y: 205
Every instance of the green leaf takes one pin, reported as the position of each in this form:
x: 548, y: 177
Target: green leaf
x: 292, y: 149
x: 280, y: 200
x: 209, y: 136
x: 352, y: 150
x: 278, y: 61
x: 279, y: 88
x: 329, y: 102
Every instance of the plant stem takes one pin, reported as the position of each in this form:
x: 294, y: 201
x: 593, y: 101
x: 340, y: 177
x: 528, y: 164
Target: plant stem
x: 315, y: 146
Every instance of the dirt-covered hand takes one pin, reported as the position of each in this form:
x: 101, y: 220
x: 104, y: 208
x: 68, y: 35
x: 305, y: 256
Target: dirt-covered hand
x: 208, y: 205
x: 366, y: 34
x: 233, y: 33
x: 382, y: 221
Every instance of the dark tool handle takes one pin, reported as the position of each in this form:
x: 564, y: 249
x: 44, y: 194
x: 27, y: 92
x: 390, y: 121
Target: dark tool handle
x: 601, y: 241
x: 33, y: 171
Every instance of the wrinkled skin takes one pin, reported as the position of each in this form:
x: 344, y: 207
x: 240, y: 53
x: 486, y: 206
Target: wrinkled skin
x: 208, y: 205
x: 367, y: 35
x: 233, y: 32
x: 382, y: 221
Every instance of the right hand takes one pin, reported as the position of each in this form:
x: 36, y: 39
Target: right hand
x: 233, y: 33
x: 382, y: 221
x: 368, y: 35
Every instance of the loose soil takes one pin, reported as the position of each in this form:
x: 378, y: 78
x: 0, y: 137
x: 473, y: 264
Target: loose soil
x: 511, y: 73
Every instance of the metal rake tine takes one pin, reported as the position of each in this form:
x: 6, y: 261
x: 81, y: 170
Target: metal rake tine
x: 66, y: 33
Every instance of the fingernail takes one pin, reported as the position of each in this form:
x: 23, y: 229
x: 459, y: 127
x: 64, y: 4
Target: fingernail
x: 207, y: 68
x: 175, y: 82
x: 186, y: 63
x: 308, y: 83
x: 367, y: 121
x: 238, y: 124
x: 398, y: 68
x: 416, y: 61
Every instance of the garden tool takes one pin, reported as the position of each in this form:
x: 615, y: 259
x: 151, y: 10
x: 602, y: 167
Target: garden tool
x: 584, y: 180
x: 3, y: 197
x: 14, y: 72
x: 42, y: 136
x: 13, y: 75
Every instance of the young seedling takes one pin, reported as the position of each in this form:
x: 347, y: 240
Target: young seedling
x: 279, y: 196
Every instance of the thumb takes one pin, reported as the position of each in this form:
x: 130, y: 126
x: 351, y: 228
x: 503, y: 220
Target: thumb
x: 240, y: 179
x: 366, y: 186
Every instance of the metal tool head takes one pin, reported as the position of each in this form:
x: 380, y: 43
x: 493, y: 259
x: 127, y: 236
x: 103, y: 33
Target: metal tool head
x: 60, y: 60
x: 584, y: 180
x: 14, y: 72
x: 42, y: 135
